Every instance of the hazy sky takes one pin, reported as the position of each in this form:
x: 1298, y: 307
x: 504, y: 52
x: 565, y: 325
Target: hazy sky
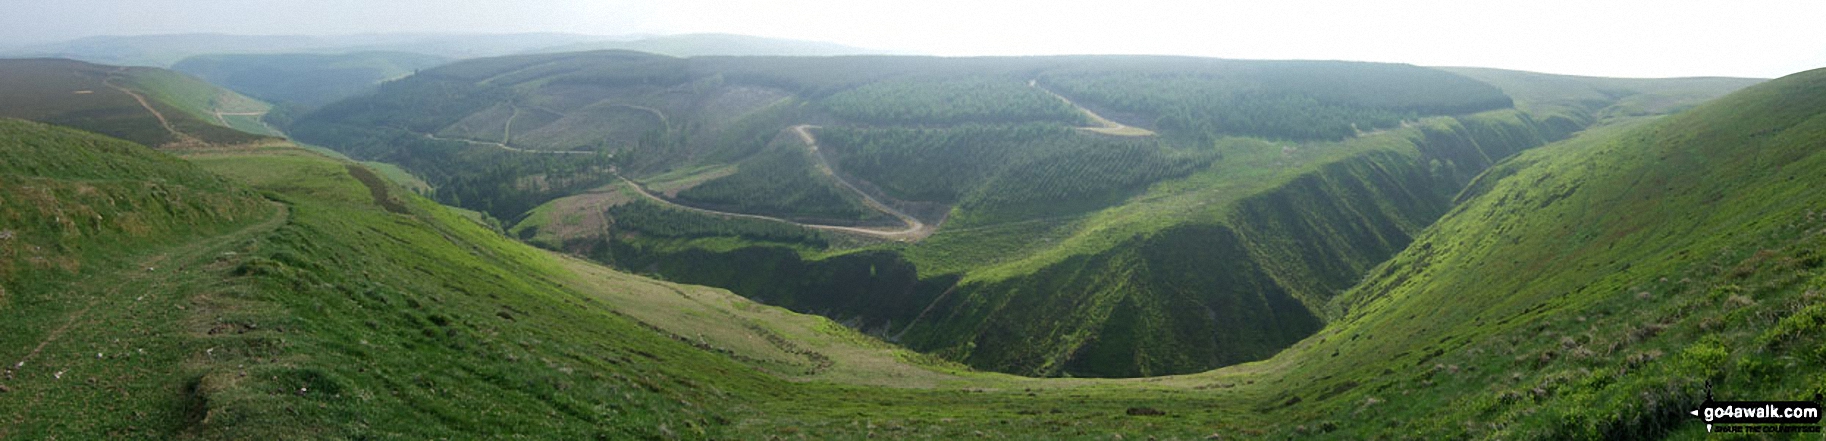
x: 1590, y: 37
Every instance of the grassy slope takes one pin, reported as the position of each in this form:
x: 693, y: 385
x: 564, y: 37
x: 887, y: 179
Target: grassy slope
x: 103, y: 246
x: 1594, y: 288
x: 148, y: 298
x: 382, y: 293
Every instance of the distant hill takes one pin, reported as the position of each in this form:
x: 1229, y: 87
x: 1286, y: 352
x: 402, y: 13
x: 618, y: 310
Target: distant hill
x: 309, y: 80
x: 697, y: 45
x: 1591, y: 98
x: 167, y: 50
x: 151, y: 106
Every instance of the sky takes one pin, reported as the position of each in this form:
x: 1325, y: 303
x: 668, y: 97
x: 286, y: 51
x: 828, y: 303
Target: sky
x: 1663, y: 38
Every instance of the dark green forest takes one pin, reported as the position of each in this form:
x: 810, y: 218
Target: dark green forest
x: 1297, y: 100
x: 780, y: 181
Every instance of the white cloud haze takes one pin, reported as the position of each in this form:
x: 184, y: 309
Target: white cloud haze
x: 1591, y: 37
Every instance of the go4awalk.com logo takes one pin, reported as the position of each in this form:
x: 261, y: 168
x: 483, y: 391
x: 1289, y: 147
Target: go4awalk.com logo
x: 1760, y: 416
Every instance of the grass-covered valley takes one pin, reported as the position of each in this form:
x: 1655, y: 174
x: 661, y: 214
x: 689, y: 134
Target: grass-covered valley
x: 621, y: 245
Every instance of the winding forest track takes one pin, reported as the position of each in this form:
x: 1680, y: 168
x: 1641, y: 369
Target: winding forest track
x: 909, y: 234
x: 221, y: 116
x: 915, y: 228
x: 510, y: 148
x: 1104, y: 125
x: 663, y: 121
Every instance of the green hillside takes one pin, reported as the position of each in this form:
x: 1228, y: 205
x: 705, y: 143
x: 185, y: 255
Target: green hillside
x: 1598, y: 287
x: 154, y: 107
x: 98, y: 237
x: 983, y: 209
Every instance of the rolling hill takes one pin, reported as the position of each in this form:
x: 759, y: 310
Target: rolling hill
x: 164, y: 50
x: 1045, y: 244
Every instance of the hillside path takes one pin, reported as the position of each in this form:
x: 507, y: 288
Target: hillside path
x: 150, y: 269
x: 909, y: 234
